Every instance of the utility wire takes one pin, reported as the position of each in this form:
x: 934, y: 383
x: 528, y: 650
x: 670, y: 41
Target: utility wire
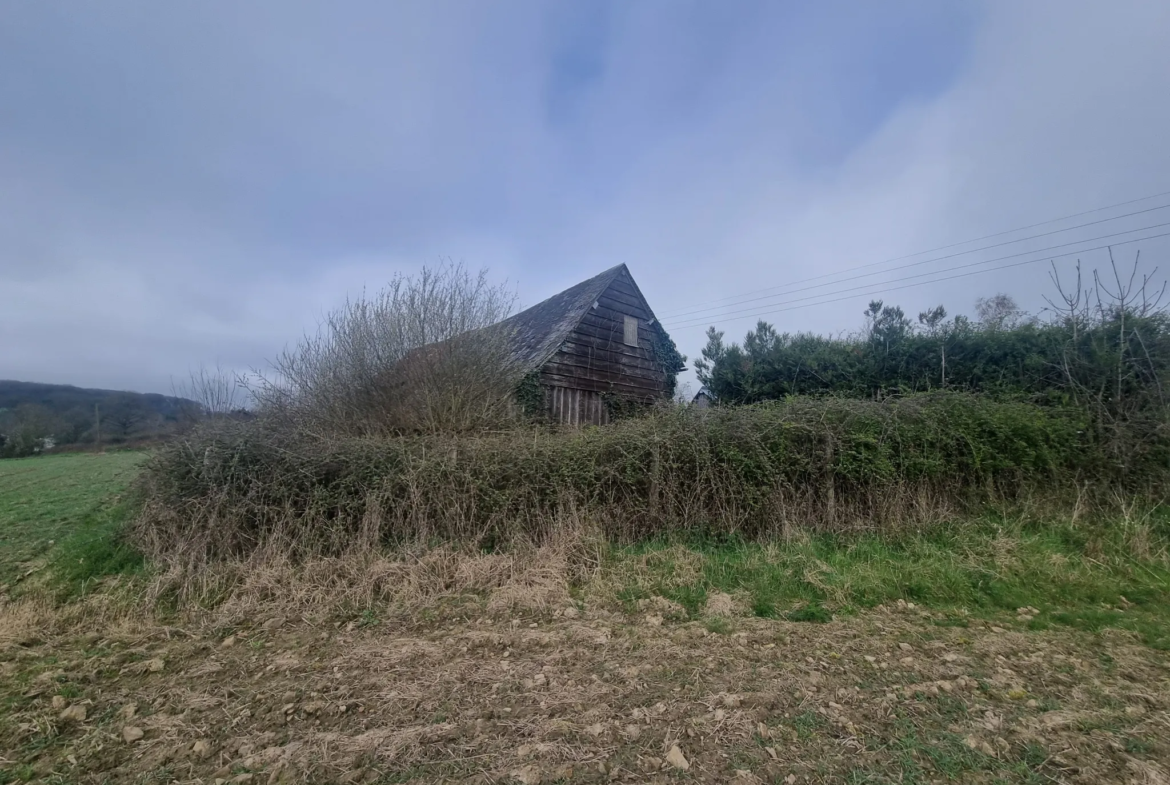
x: 741, y: 315
x: 954, y: 245
x: 685, y: 322
x: 947, y: 278
x: 906, y: 266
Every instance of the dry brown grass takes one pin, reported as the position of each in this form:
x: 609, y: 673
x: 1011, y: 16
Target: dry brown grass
x: 408, y: 583
x: 21, y: 621
x: 37, y: 614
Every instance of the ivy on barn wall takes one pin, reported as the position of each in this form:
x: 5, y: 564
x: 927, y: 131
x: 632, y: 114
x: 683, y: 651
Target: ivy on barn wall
x: 530, y: 394
x: 667, y: 353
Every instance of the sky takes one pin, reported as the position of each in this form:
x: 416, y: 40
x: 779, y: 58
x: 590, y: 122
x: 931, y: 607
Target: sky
x: 199, y: 181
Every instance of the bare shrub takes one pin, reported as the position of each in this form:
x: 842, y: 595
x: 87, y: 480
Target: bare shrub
x: 209, y: 392
x: 417, y: 356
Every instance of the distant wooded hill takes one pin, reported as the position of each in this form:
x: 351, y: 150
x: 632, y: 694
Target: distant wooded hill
x: 63, y: 397
x: 35, y: 415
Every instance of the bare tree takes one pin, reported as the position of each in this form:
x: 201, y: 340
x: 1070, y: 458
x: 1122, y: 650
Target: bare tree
x: 209, y: 392
x: 425, y: 353
x: 1073, y: 308
x: 1116, y: 353
x: 1126, y: 299
x: 1073, y: 312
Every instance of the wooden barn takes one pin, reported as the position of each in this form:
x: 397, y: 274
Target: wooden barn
x: 594, y: 347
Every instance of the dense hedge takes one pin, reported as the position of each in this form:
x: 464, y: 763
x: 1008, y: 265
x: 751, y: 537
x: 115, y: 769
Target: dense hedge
x: 1115, y: 363
x: 817, y: 462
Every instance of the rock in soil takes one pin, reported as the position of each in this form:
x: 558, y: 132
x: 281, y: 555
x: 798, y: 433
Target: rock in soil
x: 676, y: 758
x: 73, y: 714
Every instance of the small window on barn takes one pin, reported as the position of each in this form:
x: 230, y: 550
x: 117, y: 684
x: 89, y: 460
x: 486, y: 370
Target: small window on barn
x: 631, y: 337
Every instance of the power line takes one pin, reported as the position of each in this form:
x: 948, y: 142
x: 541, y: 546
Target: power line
x: 687, y: 322
x: 919, y: 264
x: 964, y: 242
x: 947, y: 278
x: 746, y: 315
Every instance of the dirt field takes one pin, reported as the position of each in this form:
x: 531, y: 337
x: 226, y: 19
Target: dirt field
x: 583, y: 696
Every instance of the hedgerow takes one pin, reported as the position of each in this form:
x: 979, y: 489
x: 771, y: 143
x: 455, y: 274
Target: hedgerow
x: 755, y: 471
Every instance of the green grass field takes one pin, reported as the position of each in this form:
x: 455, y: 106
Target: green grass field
x: 57, y: 505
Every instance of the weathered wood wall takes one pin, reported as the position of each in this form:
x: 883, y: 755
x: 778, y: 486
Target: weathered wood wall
x: 595, y: 359
x: 570, y: 406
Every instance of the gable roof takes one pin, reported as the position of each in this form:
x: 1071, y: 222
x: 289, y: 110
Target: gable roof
x: 540, y: 330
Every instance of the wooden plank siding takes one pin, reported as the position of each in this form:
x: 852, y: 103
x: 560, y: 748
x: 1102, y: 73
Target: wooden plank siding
x: 594, y: 360
x: 570, y: 406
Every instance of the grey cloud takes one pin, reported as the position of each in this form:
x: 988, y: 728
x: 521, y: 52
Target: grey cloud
x: 192, y: 181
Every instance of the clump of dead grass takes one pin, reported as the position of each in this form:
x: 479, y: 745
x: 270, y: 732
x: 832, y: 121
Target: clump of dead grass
x: 649, y: 574
x: 378, y: 584
x: 24, y: 619
x: 37, y: 614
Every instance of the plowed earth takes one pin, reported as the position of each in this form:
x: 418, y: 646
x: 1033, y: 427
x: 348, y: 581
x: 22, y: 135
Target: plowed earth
x: 887, y: 696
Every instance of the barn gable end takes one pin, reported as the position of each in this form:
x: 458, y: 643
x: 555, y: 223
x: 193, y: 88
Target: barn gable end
x: 595, y: 359
x: 576, y: 342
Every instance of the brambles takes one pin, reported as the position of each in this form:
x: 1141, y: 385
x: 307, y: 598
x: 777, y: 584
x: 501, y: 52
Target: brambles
x: 830, y: 464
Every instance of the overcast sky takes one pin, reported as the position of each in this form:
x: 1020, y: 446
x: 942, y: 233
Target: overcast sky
x: 199, y: 180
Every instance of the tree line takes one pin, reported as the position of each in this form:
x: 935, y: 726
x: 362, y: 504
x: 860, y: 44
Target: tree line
x: 1102, y: 343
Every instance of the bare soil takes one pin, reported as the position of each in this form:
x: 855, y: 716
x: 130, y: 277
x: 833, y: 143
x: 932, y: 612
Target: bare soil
x: 564, y: 695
